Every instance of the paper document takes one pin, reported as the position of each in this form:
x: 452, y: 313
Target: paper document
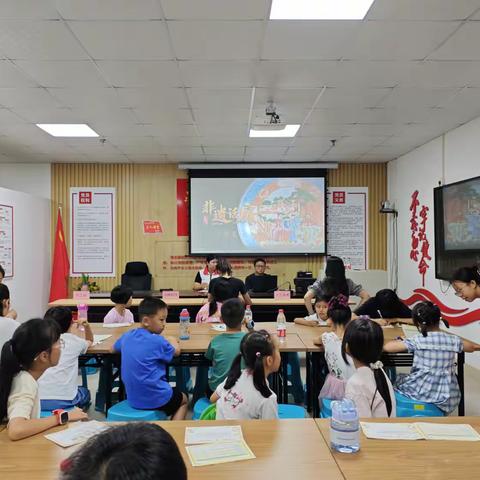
x: 409, y: 331
x: 78, y: 433
x: 211, y: 454
x: 420, y: 431
x: 116, y: 325
x: 219, y: 327
x: 198, y: 435
x: 99, y: 339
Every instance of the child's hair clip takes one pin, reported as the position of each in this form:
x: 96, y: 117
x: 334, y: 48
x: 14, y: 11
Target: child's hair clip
x: 258, y: 354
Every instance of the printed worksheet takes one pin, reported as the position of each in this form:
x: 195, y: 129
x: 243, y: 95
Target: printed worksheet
x: 76, y: 433
x: 211, y: 454
x: 199, y: 435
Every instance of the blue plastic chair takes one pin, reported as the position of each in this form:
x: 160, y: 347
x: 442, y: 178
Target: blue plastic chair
x: 326, y: 408
x: 290, y: 411
x: 406, y: 407
x: 294, y: 379
x: 124, y: 412
x: 200, y: 405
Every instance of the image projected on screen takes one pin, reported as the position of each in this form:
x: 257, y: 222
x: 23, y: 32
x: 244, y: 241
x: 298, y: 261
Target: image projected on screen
x: 461, y: 210
x: 257, y: 215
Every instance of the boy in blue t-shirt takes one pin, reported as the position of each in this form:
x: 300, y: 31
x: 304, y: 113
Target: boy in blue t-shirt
x: 226, y: 346
x: 145, y: 356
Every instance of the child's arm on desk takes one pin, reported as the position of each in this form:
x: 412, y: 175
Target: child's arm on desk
x: 469, y: 346
x: 395, y: 346
x: 174, y: 343
x: 308, y: 323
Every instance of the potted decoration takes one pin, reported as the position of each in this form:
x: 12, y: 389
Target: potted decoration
x: 87, y: 285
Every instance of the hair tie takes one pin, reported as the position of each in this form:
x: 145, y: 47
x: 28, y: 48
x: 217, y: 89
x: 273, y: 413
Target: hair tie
x: 258, y: 354
x: 377, y: 365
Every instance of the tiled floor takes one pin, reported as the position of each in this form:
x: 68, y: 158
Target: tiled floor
x: 472, y: 392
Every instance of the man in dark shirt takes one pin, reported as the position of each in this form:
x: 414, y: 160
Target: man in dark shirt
x: 260, y: 281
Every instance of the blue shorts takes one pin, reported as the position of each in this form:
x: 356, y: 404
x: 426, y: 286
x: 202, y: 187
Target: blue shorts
x: 81, y: 400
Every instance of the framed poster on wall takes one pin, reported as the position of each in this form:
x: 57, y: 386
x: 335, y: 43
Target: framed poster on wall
x: 6, y: 240
x: 92, y: 231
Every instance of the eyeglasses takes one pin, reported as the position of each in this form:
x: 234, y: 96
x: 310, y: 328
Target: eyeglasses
x: 459, y: 291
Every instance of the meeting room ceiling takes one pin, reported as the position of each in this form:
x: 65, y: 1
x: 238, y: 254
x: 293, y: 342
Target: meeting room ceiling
x: 181, y: 80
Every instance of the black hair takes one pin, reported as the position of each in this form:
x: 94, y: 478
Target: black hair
x: 467, y: 275
x: 389, y: 304
x: 364, y: 339
x: 259, y: 259
x: 322, y: 298
x: 121, y: 294
x: 2, y: 271
x: 149, y: 306
x: 332, y: 287
x: 4, y: 295
x: 140, y: 451
x: 336, y: 269
x: 339, y: 311
x: 253, y: 348
x: 233, y: 311
x: 220, y: 292
x: 62, y: 316
x: 427, y: 315
x: 210, y: 257
x: 18, y: 353
x: 223, y: 266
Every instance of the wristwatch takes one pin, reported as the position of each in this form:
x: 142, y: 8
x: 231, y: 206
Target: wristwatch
x: 62, y: 416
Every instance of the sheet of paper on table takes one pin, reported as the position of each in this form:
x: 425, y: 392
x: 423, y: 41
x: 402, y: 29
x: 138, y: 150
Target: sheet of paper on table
x: 409, y: 331
x: 76, y: 433
x: 199, y: 435
x: 214, y: 453
x: 116, y: 325
x: 99, y: 339
x: 219, y: 327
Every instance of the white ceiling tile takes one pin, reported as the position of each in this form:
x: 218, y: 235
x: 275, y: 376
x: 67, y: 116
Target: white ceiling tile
x: 224, y: 129
x: 50, y: 115
x: 149, y: 97
x: 26, y: 97
x: 238, y: 98
x: 336, y: 116
x: 179, y: 141
x: 171, y: 131
x: 268, y: 142
x: 287, y: 114
x: 223, y: 150
x: 352, y: 97
x: 217, y: 141
x: 218, y: 114
x: 297, y: 98
x: 27, y: 9
x: 8, y: 117
x: 159, y: 116
x: 462, y: 45
x: 135, y: 40
x: 219, y: 74
x: 264, y: 152
x: 85, y: 97
x: 304, y: 153
x: 308, y: 39
x: 109, y: 9
x: 418, y: 97
x: 422, y: 9
x: 224, y: 158
x: 182, y: 150
x: 216, y: 40
x: 325, y: 130
x: 114, y: 128
x: 12, y: 76
x: 63, y: 74
x: 322, y: 143
x: 398, y: 40
x: 141, y: 73
x: 139, y: 158
x: 215, y: 9
x: 38, y: 40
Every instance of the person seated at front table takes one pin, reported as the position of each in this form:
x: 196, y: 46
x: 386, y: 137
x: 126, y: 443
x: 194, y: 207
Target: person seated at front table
x: 335, y: 269
x: 387, y: 307
x: 321, y: 313
x: 234, y: 285
x: 260, y: 264
x: 122, y: 298
x: 145, y: 355
x: 207, y: 274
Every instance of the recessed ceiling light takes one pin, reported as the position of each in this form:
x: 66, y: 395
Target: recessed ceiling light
x: 319, y: 9
x: 264, y: 132
x: 68, y: 129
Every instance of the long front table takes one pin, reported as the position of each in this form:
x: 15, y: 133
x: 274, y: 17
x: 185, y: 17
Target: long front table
x: 284, y: 449
x: 264, y: 309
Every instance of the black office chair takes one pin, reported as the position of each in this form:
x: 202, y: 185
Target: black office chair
x: 137, y: 276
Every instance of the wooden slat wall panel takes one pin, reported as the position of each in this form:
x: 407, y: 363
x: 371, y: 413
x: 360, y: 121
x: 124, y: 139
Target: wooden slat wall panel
x: 373, y: 176
x: 147, y: 192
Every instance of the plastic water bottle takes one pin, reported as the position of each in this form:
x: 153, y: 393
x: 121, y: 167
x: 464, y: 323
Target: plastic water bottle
x: 82, y: 312
x: 344, y: 427
x: 281, y: 326
x: 249, y: 318
x: 184, y: 324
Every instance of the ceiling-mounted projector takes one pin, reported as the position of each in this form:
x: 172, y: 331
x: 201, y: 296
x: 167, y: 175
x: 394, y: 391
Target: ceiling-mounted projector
x: 269, y: 126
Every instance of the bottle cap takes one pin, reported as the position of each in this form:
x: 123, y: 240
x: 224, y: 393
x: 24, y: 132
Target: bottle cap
x: 344, y: 410
x: 281, y: 310
x: 184, y: 313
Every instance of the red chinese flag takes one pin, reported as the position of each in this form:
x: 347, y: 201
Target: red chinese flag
x: 182, y: 207
x: 61, y: 265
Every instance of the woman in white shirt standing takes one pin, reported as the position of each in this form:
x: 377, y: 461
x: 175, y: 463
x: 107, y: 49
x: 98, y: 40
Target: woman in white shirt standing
x: 369, y: 387
x: 34, y: 347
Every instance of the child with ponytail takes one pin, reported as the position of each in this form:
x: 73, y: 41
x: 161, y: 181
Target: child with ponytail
x: 245, y: 395
x: 34, y: 347
x: 369, y: 387
x: 432, y: 378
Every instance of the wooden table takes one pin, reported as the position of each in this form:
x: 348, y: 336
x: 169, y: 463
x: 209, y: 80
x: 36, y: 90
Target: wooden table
x: 412, y: 460
x: 284, y: 449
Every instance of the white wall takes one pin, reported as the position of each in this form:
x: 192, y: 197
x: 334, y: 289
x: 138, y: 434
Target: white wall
x: 453, y: 157
x: 30, y: 178
x: 30, y: 285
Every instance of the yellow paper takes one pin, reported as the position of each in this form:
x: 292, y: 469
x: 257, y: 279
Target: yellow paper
x: 448, y: 431
x: 215, y: 453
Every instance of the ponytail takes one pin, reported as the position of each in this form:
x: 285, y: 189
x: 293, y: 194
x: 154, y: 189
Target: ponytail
x: 19, y: 353
x: 382, y: 388
x: 254, y: 347
x: 234, y: 373
x: 212, y: 308
x: 9, y: 367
